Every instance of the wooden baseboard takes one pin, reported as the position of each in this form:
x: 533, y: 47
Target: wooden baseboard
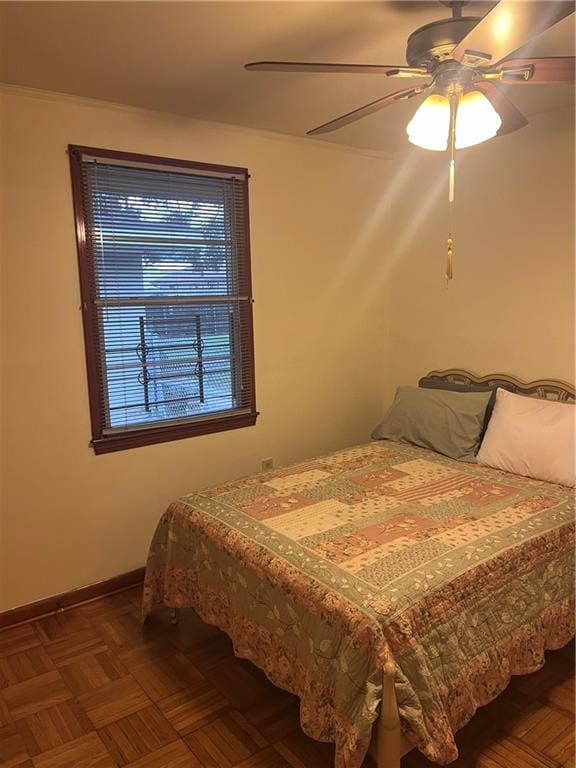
x: 67, y: 599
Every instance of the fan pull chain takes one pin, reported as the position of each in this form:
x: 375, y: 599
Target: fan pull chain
x: 451, y: 185
x: 449, y: 253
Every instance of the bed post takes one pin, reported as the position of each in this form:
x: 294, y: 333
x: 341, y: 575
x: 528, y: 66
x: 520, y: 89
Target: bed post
x: 389, y: 733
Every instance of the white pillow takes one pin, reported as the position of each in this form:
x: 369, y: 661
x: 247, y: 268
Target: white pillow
x: 531, y: 437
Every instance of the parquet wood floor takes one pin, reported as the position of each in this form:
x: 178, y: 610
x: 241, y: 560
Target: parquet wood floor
x: 91, y: 688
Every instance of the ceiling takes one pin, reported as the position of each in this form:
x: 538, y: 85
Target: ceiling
x: 187, y: 58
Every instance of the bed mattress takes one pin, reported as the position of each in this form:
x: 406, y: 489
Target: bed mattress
x: 322, y: 571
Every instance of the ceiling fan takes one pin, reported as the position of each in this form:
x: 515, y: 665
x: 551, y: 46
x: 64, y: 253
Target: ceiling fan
x: 460, y: 61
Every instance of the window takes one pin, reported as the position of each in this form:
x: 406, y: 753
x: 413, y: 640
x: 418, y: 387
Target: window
x: 163, y: 249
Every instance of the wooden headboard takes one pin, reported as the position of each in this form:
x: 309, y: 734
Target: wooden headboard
x: 548, y: 389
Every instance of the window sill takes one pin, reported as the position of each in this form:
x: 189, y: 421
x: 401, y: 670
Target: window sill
x: 137, y: 438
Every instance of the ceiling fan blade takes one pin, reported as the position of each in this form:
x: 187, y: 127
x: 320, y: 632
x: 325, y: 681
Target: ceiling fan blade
x: 408, y: 72
x: 512, y: 118
x: 555, y: 69
x: 304, y: 66
x: 507, y: 27
x: 367, y: 109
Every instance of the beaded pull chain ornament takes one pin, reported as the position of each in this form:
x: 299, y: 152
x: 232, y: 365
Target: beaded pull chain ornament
x: 449, y: 267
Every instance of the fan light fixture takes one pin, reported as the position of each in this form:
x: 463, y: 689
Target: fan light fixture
x: 476, y: 121
x: 453, y: 122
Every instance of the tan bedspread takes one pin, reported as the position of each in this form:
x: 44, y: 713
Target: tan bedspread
x: 322, y: 571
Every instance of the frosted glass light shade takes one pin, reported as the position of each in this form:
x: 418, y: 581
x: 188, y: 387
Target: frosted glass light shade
x: 430, y: 125
x: 476, y: 120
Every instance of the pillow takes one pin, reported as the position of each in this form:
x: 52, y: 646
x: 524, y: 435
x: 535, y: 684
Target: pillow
x: 531, y: 437
x: 447, y: 422
x: 432, y: 383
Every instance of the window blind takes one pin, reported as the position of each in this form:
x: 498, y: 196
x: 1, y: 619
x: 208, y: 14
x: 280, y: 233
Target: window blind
x: 169, y: 306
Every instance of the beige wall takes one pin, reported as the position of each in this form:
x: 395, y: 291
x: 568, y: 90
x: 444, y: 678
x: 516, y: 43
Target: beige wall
x: 72, y: 518
x: 510, y: 307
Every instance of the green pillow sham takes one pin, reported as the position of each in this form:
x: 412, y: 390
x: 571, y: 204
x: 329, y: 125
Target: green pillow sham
x: 449, y: 423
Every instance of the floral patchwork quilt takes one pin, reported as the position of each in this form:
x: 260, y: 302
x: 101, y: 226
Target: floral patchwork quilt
x: 320, y: 572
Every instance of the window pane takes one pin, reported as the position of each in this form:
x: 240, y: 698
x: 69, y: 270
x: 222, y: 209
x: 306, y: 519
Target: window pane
x: 169, y: 361
x: 160, y: 233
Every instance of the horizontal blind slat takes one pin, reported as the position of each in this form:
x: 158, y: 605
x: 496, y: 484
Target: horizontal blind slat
x: 168, y: 300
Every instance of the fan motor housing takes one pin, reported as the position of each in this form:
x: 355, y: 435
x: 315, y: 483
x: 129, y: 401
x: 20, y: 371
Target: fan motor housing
x: 434, y: 43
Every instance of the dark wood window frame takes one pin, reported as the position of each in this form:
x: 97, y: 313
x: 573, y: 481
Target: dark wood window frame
x: 134, y: 437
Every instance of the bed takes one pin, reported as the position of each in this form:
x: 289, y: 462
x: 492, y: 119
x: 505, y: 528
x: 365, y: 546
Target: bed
x: 393, y: 589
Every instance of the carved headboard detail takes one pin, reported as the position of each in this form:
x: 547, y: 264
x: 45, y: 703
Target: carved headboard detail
x: 548, y: 389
